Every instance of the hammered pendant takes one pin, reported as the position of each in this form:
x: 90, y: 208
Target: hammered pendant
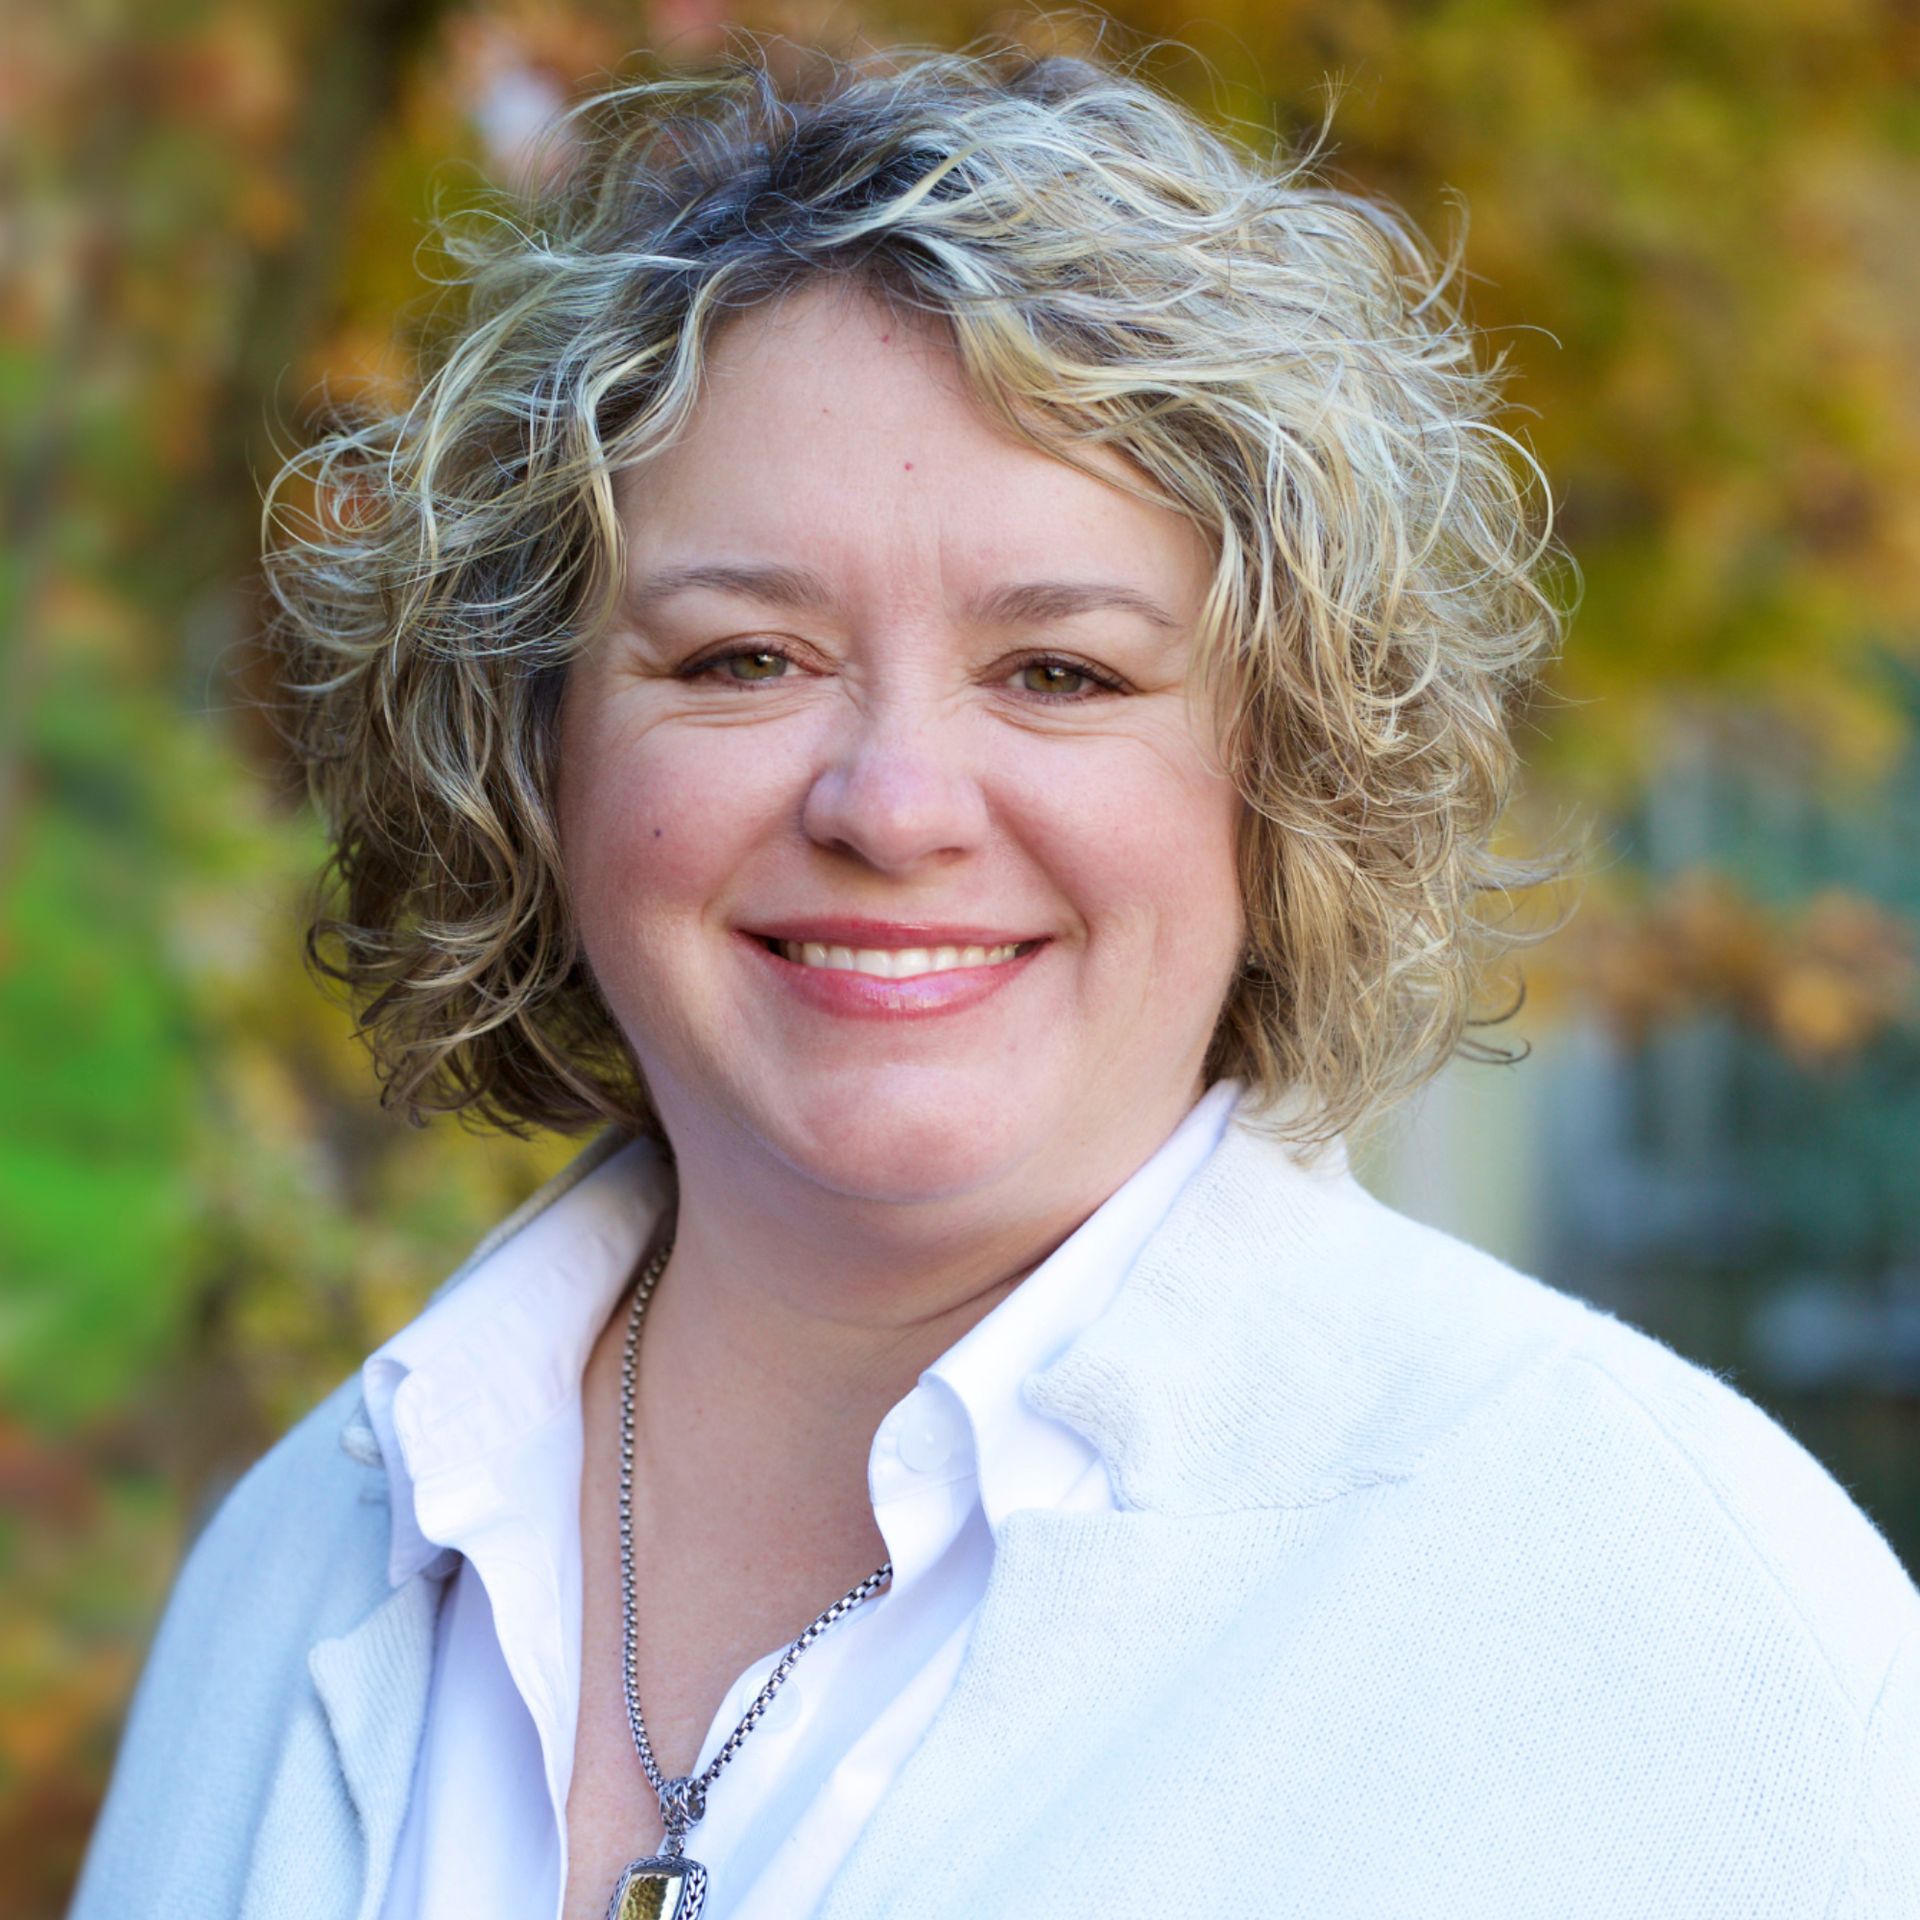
x: 665, y: 1886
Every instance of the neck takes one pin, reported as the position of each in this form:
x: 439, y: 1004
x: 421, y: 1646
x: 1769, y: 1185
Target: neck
x: 791, y: 1317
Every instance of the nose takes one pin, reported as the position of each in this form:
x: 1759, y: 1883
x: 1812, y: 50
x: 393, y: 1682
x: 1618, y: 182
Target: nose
x: 896, y: 793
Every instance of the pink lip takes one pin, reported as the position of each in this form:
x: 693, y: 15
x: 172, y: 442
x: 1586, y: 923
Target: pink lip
x: 886, y: 935
x: 863, y: 996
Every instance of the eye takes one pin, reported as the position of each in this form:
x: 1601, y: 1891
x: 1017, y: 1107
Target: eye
x: 1054, y: 677
x: 1051, y: 677
x: 744, y: 667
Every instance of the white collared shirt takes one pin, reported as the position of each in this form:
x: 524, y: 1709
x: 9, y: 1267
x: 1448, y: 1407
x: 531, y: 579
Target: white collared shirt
x: 477, y: 1408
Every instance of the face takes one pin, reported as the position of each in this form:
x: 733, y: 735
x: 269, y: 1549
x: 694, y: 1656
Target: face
x: 895, y: 843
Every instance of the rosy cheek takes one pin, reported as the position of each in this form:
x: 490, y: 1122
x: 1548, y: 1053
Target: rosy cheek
x: 668, y: 820
x: 639, y: 829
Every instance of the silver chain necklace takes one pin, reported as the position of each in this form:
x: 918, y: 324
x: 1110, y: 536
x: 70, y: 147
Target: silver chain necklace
x: 667, y: 1885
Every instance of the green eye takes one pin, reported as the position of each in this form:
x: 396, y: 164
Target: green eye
x: 1062, y: 678
x: 754, y: 666
x: 743, y: 667
x: 1052, y: 676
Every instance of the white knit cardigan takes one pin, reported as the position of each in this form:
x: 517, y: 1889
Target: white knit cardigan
x: 1432, y: 1593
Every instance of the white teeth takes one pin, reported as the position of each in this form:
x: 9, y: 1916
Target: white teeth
x: 895, y: 963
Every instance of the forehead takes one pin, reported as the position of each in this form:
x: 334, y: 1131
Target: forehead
x: 837, y: 430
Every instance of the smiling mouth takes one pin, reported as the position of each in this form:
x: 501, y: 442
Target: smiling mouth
x: 894, y: 963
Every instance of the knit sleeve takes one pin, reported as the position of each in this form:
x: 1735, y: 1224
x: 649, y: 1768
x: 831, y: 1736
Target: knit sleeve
x: 1884, y: 1880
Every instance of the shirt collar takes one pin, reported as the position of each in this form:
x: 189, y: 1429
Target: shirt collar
x: 494, y: 1357
x: 1025, y: 1457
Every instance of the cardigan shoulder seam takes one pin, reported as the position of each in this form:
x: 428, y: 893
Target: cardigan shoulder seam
x: 1907, y: 1645
x: 1756, y: 1552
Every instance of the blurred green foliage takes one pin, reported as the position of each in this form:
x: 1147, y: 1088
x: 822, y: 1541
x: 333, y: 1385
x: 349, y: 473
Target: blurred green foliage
x: 1691, y: 237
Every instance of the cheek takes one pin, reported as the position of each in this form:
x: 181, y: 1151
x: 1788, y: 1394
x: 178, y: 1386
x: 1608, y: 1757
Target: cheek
x: 1147, y: 845
x: 656, y: 821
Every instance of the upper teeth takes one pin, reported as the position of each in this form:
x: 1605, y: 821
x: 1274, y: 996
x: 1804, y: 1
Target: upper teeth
x: 895, y: 963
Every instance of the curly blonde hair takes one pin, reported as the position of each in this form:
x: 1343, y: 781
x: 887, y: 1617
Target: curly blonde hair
x: 1281, y: 361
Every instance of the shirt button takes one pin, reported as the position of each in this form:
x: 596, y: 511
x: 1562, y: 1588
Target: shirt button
x: 782, y: 1710
x: 927, y: 1435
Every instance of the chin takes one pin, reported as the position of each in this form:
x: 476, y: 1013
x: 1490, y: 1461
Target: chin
x: 910, y: 1144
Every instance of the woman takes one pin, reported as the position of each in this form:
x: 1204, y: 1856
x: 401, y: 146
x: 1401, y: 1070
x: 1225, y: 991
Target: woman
x: 937, y: 656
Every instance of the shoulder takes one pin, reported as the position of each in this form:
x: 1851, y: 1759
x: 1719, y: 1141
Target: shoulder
x: 1285, y: 1340
x: 303, y: 1533
x: 1718, y: 1464
x: 295, y: 1553
x: 1601, y: 1583
x: 1630, y: 1524
x: 1637, y: 1466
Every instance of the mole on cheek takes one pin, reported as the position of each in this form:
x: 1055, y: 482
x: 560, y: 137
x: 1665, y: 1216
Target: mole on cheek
x: 657, y: 832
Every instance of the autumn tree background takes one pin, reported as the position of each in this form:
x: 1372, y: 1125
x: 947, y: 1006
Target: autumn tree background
x: 1692, y: 235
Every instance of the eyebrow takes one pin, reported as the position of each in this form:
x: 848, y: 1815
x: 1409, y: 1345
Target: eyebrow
x: 1033, y: 601
x: 1042, y: 600
x: 776, y: 586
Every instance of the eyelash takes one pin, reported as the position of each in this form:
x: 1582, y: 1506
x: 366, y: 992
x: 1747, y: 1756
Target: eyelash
x: 1102, y: 681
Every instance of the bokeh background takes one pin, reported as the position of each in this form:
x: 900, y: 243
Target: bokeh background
x: 1693, y: 235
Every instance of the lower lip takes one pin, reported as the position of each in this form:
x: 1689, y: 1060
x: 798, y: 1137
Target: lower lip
x: 867, y: 996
